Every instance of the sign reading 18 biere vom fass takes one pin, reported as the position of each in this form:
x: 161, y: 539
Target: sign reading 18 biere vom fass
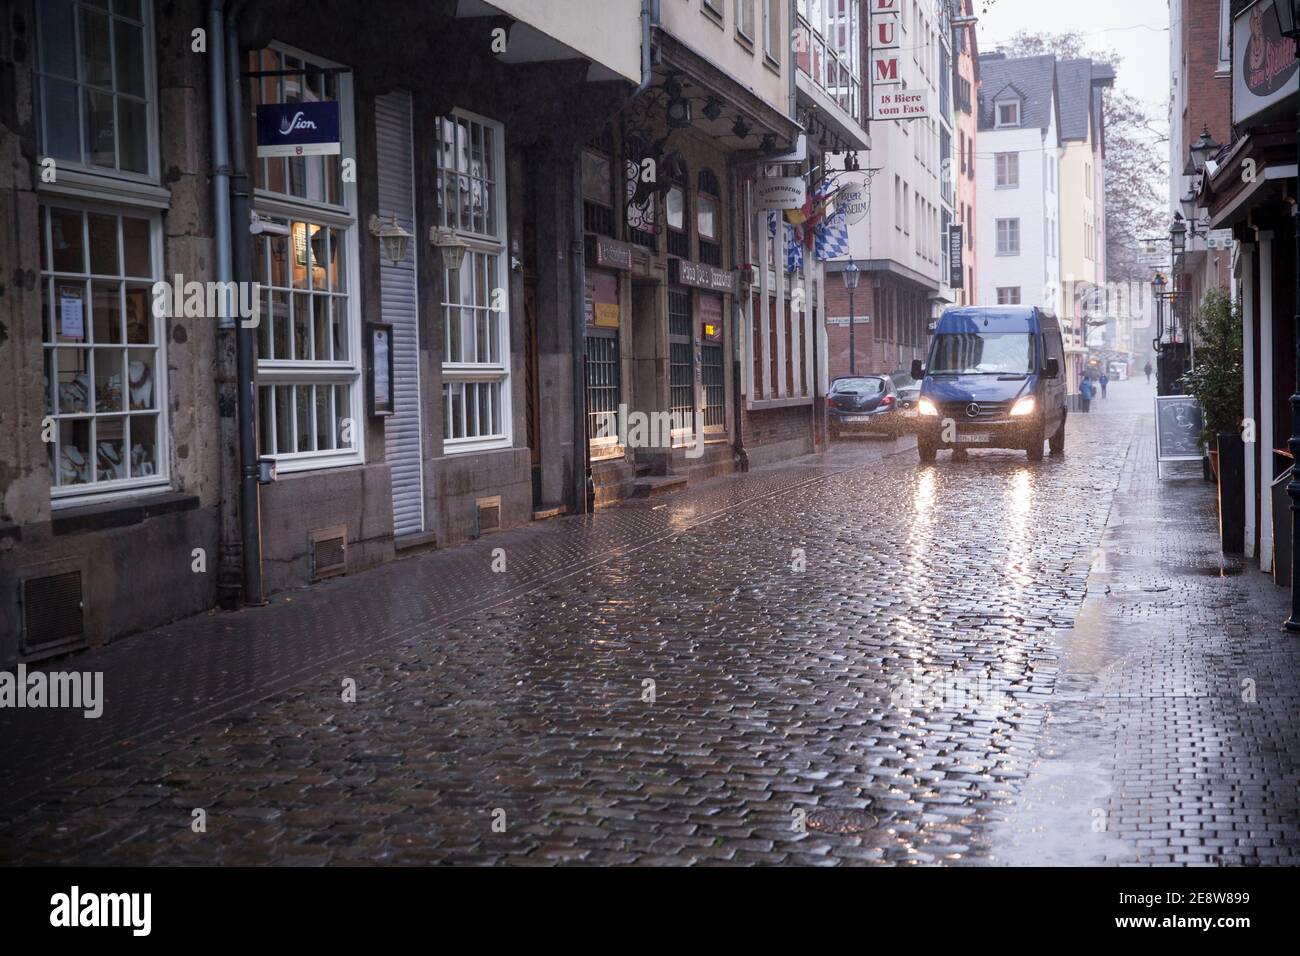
x: 889, y: 100
x: 298, y: 129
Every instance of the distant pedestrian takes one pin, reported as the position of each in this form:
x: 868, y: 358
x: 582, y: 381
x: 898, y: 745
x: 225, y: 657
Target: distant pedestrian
x: 1085, y: 394
x: 1148, y: 371
x: 1105, y: 380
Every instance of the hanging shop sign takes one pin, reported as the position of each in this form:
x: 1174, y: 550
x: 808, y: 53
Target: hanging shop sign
x: 602, y: 299
x: 955, y: 265
x: 1179, y: 423
x: 298, y: 129
x: 700, y: 275
x: 711, y: 318
x: 783, y: 192
x: 1265, y: 67
x: 853, y: 199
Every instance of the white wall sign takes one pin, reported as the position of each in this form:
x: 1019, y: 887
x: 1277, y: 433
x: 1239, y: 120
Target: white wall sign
x: 892, y: 103
x: 844, y: 320
x: 885, y: 43
x: 785, y: 192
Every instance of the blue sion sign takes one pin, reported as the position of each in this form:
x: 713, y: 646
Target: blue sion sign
x: 298, y: 129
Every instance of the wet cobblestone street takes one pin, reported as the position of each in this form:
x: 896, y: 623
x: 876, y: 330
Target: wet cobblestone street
x: 975, y: 661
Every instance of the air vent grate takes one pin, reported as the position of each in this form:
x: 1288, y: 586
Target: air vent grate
x: 52, y: 612
x: 329, y: 552
x: 489, y: 514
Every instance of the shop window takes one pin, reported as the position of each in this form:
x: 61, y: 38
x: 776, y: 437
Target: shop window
x: 681, y: 366
x: 714, y: 386
x: 94, y: 82
x: 311, y: 179
x: 597, y: 193
x: 308, y: 336
x: 677, y: 216
x: 603, y: 390
x: 104, y: 355
x: 475, y: 306
x: 707, y: 218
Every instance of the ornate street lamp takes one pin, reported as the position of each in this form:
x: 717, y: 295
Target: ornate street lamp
x: 1288, y: 23
x: 1178, y: 235
x: 1203, y: 148
x: 850, y: 275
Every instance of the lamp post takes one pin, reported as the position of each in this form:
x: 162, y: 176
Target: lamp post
x: 850, y: 276
x: 1288, y: 13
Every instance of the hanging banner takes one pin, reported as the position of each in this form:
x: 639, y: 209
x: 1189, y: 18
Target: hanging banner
x: 298, y: 129
x: 955, y: 266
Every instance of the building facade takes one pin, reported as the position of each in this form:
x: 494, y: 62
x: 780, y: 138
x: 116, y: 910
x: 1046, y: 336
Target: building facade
x: 965, y: 105
x: 1018, y: 182
x: 402, y: 358
x: 1087, y: 322
x: 899, y: 246
x: 1249, y: 186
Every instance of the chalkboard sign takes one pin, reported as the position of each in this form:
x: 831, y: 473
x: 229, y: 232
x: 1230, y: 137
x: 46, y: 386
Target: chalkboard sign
x: 1178, y: 428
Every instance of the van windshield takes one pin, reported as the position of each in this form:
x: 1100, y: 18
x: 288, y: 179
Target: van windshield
x: 983, y: 353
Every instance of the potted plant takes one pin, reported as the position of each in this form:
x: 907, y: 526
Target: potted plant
x: 1215, y: 381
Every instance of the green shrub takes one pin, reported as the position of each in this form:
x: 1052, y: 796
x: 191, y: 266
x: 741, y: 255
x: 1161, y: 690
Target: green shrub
x: 1215, y: 377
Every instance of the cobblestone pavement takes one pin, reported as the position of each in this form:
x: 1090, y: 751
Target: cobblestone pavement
x: 914, y: 655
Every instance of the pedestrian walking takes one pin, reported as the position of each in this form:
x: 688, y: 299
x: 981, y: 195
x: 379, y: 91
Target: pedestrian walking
x: 1105, y: 380
x: 1148, y: 371
x: 1085, y: 394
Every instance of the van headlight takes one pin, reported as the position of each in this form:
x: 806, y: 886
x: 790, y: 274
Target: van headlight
x: 1023, y: 407
x: 926, y: 407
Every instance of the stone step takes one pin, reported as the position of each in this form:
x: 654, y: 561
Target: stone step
x: 652, y: 486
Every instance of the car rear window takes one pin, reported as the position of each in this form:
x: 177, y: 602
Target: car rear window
x: 869, y: 386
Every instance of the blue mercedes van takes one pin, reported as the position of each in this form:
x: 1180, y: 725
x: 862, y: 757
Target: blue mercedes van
x: 993, y: 379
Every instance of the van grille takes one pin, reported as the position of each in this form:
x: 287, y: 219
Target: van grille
x: 988, y: 411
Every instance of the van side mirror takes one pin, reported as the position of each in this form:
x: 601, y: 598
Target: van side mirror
x: 1053, y: 369
x: 918, y: 370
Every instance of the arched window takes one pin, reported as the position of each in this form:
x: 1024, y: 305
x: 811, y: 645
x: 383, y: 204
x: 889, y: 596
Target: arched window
x: 677, y: 210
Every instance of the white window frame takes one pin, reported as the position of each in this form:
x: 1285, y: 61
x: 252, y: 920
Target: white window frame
x: 998, y: 106
x: 745, y: 11
x: 66, y: 496
x: 299, y: 372
x: 1006, y: 170
x: 998, y: 236
x: 80, y: 172
x: 473, y: 372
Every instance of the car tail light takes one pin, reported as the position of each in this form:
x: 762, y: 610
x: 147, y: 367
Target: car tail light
x: 887, y: 400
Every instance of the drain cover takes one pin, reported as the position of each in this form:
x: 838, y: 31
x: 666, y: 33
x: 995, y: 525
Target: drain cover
x: 841, y: 821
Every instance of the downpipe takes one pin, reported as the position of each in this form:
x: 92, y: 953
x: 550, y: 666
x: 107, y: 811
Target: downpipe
x: 242, y: 207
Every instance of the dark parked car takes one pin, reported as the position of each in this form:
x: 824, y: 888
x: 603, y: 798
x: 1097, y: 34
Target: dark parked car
x: 909, y: 393
x: 862, y: 404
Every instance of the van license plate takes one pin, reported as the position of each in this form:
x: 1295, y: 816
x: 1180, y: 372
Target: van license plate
x: 974, y: 436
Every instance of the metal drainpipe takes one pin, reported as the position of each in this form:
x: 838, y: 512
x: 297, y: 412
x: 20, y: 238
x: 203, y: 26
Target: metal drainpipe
x: 249, y: 505
x: 228, y: 589
x: 578, y: 318
x: 739, y: 239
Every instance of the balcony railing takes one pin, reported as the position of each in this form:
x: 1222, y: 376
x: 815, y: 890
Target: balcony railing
x: 828, y: 69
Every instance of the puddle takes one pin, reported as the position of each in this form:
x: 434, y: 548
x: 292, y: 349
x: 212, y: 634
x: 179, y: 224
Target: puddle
x: 1215, y: 571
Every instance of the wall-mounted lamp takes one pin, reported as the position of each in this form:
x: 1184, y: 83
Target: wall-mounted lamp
x: 740, y: 129
x: 451, y: 246
x: 393, y: 239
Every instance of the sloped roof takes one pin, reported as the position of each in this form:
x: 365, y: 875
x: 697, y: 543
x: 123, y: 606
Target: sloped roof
x: 1079, y: 85
x: 1034, y: 77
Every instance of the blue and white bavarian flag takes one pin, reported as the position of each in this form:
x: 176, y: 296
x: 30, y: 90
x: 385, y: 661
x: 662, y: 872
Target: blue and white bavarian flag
x: 792, y: 251
x: 832, y: 232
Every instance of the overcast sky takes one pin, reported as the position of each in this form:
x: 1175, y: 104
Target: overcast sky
x: 1138, y: 29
